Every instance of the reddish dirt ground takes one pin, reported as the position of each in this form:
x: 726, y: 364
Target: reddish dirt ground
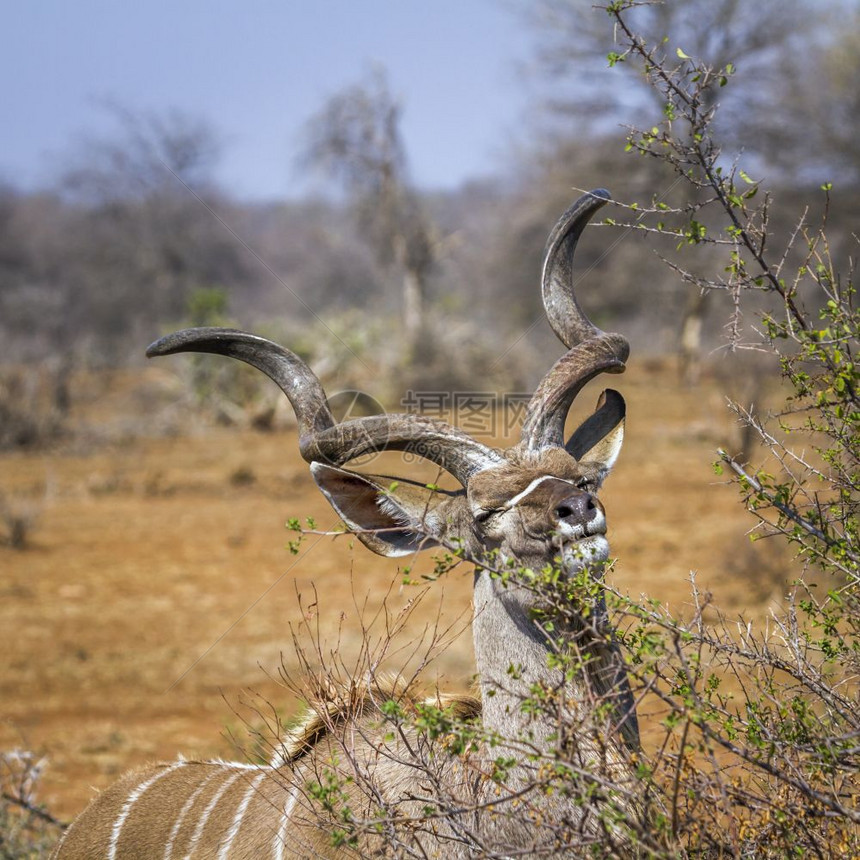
x: 158, y: 586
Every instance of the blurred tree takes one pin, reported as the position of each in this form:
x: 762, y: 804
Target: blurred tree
x: 149, y: 152
x: 355, y: 139
x: 625, y: 285
x: 147, y: 230
x: 810, y: 128
x: 575, y: 48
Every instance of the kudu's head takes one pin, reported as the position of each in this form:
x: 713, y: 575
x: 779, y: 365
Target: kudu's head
x: 527, y: 506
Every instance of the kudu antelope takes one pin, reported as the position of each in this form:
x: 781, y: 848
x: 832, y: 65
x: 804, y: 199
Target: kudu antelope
x: 568, y: 729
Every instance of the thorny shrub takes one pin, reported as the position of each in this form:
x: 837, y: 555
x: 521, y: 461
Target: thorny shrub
x: 758, y: 744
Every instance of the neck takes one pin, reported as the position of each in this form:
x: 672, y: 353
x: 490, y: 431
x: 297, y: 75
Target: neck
x: 513, y: 655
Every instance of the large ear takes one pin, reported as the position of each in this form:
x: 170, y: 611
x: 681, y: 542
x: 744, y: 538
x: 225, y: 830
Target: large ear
x: 598, y: 439
x: 390, y: 519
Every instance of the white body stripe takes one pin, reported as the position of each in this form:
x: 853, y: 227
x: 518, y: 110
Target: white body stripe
x: 132, y: 798
x: 174, y: 832
x: 198, y: 831
x: 280, y: 842
x: 240, y: 814
x: 232, y: 765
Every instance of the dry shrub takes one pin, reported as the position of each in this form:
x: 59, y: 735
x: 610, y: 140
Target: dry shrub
x: 33, y: 405
x: 27, y: 830
x: 19, y: 514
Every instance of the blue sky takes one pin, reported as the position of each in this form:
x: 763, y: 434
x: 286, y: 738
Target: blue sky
x: 257, y: 70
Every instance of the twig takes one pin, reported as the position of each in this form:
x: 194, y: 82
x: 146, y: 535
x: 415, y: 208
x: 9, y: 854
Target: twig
x: 37, y: 811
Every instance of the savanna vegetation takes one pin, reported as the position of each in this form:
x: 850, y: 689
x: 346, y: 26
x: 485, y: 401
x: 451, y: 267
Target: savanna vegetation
x: 144, y: 570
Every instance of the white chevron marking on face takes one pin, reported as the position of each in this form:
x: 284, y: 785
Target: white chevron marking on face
x: 511, y: 503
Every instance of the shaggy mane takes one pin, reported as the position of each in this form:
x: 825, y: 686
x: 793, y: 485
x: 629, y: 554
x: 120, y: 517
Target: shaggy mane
x: 334, y: 708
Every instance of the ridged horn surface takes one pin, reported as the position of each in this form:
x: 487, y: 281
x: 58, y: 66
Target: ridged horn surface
x: 440, y: 443
x: 291, y: 373
x: 543, y: 426
x: 591, y: 351
x: 562, y: 309
x: 320, y: 437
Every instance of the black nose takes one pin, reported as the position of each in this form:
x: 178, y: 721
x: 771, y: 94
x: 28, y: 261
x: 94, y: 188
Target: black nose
x: 578, y: 508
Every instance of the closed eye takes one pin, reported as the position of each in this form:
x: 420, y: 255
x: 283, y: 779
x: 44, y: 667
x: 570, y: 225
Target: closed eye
x: 485, y: 513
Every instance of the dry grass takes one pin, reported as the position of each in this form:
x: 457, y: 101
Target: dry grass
x: 130, y: 615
